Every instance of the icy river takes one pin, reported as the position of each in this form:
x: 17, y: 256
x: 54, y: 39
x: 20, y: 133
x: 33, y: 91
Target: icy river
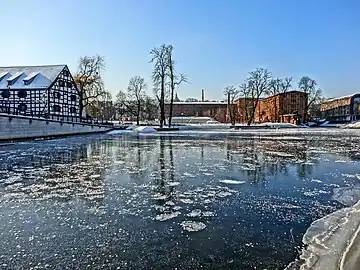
x: 192, y: 200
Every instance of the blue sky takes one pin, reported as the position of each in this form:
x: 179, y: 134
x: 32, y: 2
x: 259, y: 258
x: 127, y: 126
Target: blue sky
x: 216, y: 43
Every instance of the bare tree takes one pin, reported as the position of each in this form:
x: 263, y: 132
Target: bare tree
x: 231, y: 93
x: 279, y: 86
x: 245, y: 103
x: 151, y: 107
x: 308, y: 86
x: 258, y: 82
x: 89, y: 82
x: 134, y: 98
x: 159, y: 57
x: 175, y: 80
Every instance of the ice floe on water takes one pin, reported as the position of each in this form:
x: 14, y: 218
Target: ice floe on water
x: 192, y: 226
x: 167, y: 216
x: 232, y: 182
x: 347, y: 195
x: 194, y: 213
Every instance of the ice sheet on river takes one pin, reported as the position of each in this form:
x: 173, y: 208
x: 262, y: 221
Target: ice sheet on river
x: 332, y: 242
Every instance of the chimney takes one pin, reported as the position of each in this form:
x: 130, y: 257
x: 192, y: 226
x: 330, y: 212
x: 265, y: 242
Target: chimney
x: 202, y: 95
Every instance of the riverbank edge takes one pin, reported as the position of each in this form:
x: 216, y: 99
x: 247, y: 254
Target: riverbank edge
x: 333, y: 248
x: 22, y: 128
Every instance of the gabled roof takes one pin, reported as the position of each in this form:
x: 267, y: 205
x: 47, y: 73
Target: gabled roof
x: 45, y: 76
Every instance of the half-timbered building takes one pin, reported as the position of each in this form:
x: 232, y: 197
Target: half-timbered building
x: 39, y: 91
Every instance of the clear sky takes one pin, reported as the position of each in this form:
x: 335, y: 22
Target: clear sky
x: 216, y: 43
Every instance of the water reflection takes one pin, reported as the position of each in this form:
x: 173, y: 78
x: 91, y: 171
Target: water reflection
x: 113, y: 196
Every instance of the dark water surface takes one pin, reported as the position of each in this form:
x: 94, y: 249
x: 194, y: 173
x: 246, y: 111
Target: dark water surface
x: 176, y: 201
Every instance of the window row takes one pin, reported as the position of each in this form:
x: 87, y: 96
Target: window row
x: 57, y: 95
x: 62, y: 83
x: 56, y: 108
x: 23, y: 94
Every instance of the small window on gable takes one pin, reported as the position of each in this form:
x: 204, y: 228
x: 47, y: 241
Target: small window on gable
x: 73, y: 97
x: 69, y: 84
x: 61, y: 83
x: 66, y: 73
x: 56, y: 108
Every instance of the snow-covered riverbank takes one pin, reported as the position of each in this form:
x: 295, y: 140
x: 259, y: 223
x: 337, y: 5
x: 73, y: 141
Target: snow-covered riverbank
x: 332, y: 242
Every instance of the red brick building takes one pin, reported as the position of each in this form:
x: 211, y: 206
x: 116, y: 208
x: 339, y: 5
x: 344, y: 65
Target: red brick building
x: 285, y: 107
x: 216, y: 110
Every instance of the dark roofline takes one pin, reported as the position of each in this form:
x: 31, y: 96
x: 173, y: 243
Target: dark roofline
x: 288, y: 92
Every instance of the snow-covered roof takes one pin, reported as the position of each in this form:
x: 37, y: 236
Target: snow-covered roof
x: 38, y: 77
x: 339, y: 98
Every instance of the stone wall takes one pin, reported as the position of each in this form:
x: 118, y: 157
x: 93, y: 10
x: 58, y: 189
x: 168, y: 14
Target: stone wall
x: 20, y: 127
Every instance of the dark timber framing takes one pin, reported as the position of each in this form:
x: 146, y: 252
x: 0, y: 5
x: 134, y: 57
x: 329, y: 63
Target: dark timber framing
x: 59, y: 101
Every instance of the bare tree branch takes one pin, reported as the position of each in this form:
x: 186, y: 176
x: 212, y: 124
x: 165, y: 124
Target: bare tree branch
x: 89, y: 82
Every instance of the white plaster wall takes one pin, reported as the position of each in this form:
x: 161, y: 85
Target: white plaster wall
x: 19, y: 128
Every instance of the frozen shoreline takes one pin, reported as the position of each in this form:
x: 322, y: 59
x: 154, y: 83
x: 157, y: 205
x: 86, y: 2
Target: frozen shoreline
x: 332, y: 242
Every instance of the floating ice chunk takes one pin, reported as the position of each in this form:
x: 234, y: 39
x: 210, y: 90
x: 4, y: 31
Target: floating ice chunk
x: 159, y: 196
x: 189, y: 175
x: 170, y: 203
x: 167, y: 216
x: 173, y: 184
x: 95, y: 176
x: 208, y: 214
x: 223, y: 194
x: 187, y: 201
x: 145, y: 130
x: 192, y: 226
x: 194, y: 213
x: 176, y: 208
x: 347, y: 195
x: 315, y: 180
x: 280, y: 154
x: 207, y: 174
x: 232, y: 182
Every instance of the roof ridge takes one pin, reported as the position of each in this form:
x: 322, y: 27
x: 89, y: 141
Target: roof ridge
x: 56, y: 65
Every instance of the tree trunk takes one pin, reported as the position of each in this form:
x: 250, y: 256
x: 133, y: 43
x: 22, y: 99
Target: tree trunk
x: 172, y: 90
x: 162, y: 102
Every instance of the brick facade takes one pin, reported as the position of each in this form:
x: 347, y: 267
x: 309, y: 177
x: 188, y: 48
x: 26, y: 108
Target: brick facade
x: 286, y: 107
x: 215, y: 110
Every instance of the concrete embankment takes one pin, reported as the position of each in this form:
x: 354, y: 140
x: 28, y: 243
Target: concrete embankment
x: 14, y: 127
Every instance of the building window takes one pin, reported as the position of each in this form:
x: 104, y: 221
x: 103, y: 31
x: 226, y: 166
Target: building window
x: 22, y: 93
x: 57, y: 94
x: 65, y: 73
x: 72, y: 110
x: 73, y: 97
x: 69, y: 84
x: 61, y: 83
x: 56, y: 108
x: 5, y: 93
x: 22, y: 107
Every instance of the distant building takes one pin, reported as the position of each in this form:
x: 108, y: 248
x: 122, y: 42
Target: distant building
x: 216, y: 110
x: 286, y: 107
x: 42, y: 91
x: 345, y: 108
